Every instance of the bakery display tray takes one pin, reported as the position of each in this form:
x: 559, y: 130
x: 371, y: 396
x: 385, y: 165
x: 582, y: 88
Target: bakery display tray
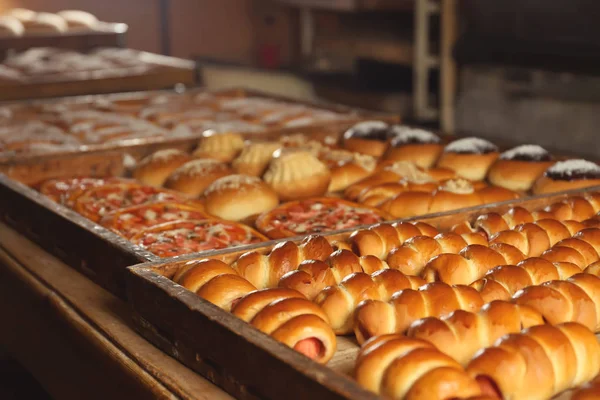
x: 234, y: 355
x: 32, y: 168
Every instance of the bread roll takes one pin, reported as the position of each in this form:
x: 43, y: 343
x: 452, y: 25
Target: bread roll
x: 470, y: 158
x: 416, y: 145
x: 155, y: 169
x: 297, y: 175
x: 11, y: 26
x: 236, y: 197
x: 568, y: 175
x: 347, y: 168
x: 220, y: 146
x: 22, y: 14
x: 195, y: 176
x: 518, y: 168
x: 254, y: 158
x: 46, y: 23
x: 369, y: 137
x: 77, y: 19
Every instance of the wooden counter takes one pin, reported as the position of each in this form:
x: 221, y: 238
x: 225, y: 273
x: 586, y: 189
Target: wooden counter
x: 76, y: 338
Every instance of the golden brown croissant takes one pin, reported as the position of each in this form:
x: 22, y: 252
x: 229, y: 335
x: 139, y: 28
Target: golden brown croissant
x: 396, y: 367
x: 373, y: 317
x: 470, y: 264
x: 313, y: 276
x: 502, y: 282
x: 339, y: 301
x: 415, y: 253
x: 383, y: 238
x: 291, y: 319
x: 462, y: 333
x: 538, y: 363
x: 582, y: 249
x: 265, y: 271
x: 576, y: 299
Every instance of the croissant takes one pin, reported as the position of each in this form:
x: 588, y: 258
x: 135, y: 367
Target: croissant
x: 502, y: 282
x: 582, y: 249
x: 214, y: 281
x: 576, y: 299
x: 374, y: 317
x: 492, y: 222
x: 538, y: 363
x: 400, y: 368
x: 380, y: 239
x: 340, y: 301
x: 265, y: 271
x: 470, y: 264
x: 314, y: 275
x: 291, y: 319
x: 462, y: 333
x: 413, y: 255
x: 533, y: 238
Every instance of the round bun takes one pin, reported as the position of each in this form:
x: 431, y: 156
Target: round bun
x: 236, y: 197
x: 518, y: 168
x: 369, y: 137
x: 11, y: 26
x: 46, y: 23
x: 220, y: 146
x: 470, y: 158
x: 77, y: 19
x: 255, y: 158
x: 297, y: 175
x: 347, y: 168
x: 154, y: 169
x: 195, y: 176
x: 568, y: 175
x: 415, y: 145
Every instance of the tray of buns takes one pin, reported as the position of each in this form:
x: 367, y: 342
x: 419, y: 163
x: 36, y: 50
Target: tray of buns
x: 489, y: 303
x: 43, y: 72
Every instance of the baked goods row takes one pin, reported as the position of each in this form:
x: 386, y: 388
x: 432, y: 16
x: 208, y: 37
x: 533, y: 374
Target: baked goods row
x: 19, y: 22
x: 67, y: 124
x: 505, y: 306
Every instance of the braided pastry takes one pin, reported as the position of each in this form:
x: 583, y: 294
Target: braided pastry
x: 291, y: 319
x: 314, y: 275
x: 582, y: 249
x: 399, y: 368
x: 538, y: 363
x: 413, y: 255
x: 340, y: 301
x: 462, y: 333
x: 380, y: 239
x: 265, y: 271
x: 373, y: 317
x: 214, y: 281
x: 470, y: 264
x: 576, y: 299
x: 502, y: 282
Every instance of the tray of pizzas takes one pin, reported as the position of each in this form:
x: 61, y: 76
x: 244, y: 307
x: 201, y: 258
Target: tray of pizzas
x: 497, y: 302
x: 230, y: 190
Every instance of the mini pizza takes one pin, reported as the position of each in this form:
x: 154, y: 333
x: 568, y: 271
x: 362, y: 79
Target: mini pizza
x: 183, y: 237
x: 63, y: 190
x: 97, y: 202
x: 315, y: 216
x: 132, y: 220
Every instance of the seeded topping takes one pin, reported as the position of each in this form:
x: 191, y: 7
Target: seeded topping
x: 573, y: 170
x: 405, y: 135
x: 371, y: 130
x: 471, y: 145
x: 527, y: 152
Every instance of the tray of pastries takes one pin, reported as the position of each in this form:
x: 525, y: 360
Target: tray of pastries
x: 489, y: 303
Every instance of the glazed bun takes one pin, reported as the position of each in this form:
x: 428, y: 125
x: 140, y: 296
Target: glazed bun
x: 220, y: 146
x: 470, y: 158
x: 518, y: 168
x: 417, y: 145
x: 46, y: 23
x: 236, y: 197
x: 154, y: 169
x: 568, y: 175
x: 347, y: 168
x: 297, y: 175
x: 195, y: 176
x: 11, y: 26
x: 369, y: 137
x: 255, y: 158
x: 77, y: 19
